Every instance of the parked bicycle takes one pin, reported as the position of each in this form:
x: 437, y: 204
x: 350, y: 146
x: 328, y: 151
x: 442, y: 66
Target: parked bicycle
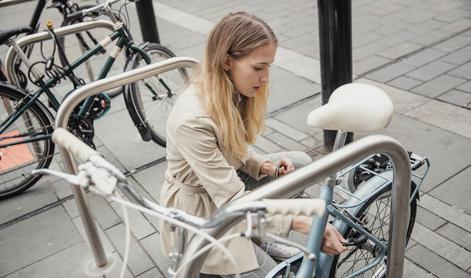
x: 85, y: 39
x: 363, y: 217
x: 26, y: 123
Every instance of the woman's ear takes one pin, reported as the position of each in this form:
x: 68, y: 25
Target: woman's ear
x: 227, y: 63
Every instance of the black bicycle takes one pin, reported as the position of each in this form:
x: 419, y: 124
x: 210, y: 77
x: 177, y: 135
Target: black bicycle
x: 26, y: 123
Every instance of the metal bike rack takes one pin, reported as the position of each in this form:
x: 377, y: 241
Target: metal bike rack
x: 291, y: 184
x: 43, y: 36
x: 62, y: 118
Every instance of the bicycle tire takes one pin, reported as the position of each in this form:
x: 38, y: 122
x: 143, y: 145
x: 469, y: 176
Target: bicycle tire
x: 150, y: 108
x: 349, y: 266
x: 17, y: 161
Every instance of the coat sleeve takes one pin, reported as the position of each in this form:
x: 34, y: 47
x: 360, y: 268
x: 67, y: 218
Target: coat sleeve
x: 197, y: 144
x: 253, y: 162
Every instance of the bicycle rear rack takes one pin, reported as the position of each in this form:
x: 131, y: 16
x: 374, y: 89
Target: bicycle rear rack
x: 280, y: 188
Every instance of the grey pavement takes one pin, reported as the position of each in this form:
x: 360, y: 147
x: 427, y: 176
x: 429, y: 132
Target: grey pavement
x: 418, y: 51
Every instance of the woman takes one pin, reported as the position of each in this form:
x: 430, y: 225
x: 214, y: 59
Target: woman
x: 208, y: 133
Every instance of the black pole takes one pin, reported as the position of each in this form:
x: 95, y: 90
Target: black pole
x: 335, y: 45
x: 145, y: 13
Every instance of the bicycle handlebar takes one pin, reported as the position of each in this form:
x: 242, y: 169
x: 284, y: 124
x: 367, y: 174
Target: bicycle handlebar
x: 79, y: 14
x: 306, y: 207
x: 72, y: 144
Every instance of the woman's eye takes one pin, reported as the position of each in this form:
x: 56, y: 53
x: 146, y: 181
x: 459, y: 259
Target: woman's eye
x: 258, y: 69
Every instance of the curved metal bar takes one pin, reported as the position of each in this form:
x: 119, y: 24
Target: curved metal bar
x: 308, y: 175
x: 43, y: 36
x: 62, y: 118
x: 68, y: 105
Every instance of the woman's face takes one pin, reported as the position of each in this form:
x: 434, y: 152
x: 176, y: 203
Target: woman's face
x: 250, y: 72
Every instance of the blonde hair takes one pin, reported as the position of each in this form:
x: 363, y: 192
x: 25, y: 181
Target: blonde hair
x: 237, y: 35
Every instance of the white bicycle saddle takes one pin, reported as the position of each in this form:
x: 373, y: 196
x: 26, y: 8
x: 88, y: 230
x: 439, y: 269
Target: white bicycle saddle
x: 354, y: 107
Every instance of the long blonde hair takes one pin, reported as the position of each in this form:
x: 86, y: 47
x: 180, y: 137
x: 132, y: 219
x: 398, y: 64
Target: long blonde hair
x: 237, y: 35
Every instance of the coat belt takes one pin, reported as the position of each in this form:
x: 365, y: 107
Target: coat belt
x: 186, y: 187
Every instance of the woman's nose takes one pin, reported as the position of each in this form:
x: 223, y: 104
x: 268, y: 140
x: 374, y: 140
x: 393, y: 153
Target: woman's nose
x: 264, y: 78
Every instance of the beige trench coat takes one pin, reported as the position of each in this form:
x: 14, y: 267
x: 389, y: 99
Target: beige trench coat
x: 201, y: 177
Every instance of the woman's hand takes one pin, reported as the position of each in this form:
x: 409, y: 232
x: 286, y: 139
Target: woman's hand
x: 332, y: 241
x: 269, y: 168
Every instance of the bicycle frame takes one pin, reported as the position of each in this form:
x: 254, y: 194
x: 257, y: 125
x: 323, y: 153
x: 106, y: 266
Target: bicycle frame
x: 122, y: 40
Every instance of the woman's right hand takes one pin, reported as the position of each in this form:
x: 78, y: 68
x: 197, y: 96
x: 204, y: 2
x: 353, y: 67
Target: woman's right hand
x: 332, y: 240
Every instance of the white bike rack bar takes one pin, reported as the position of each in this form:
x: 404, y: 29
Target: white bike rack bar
x: 62, y: 118
x: 44, y: 36
x: 301, y: 179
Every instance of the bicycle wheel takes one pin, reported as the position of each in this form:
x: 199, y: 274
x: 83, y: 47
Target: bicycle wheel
x: 150, y: 101
x: 375, y: 216
x: 18, y: 160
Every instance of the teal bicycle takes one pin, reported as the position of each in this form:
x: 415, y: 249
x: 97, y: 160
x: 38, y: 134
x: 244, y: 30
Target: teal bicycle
x: 26, y: 123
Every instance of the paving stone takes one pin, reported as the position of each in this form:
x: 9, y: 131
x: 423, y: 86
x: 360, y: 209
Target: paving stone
x: 458, y: 57
x: 405, y: 83
x: 442, y: 246
x: 286, y: 129
x: 152, y: 245
x: 267, y: 145
x: 455, y: 191
x: 287, y: 88
x: 428, y: 26
x: 69, y: 262
x: 402, y: 100
x: 358, y: 41
x: 286, y: 142
x: 457, y: 26
x: 466, y: 87
x: 430, y: 38
x: 297, y: 116
x: 450, y: 213
x: 126, y: 143
x: 456, y: 234
x: 453, y: 44
x: 400, y: 50
x: 151, y: 179
x: 430, y: 71
x: 457, y: 97
x: 102, y: 211
x: 138, y: 261
x: 367, y: 50
x: 464, y: 71
x: 313, y: 140
x: 444, y: 115
x: 438, y: 86
x: 267, y: 131
x: 418, y: 136
x: 434, y: 263
x: 411, y: 270
x: 46, y: 234
x: 116, y: 270
x: 369, y: 64
x: 424, y: 57
x: 38, y: 196
x: 152, y: 273
x: 105, y: 241
x: 390, y: 72
x: 71, y: 208
x: 140, y: 226
x: 429, y: 219
x: 304, y: 67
